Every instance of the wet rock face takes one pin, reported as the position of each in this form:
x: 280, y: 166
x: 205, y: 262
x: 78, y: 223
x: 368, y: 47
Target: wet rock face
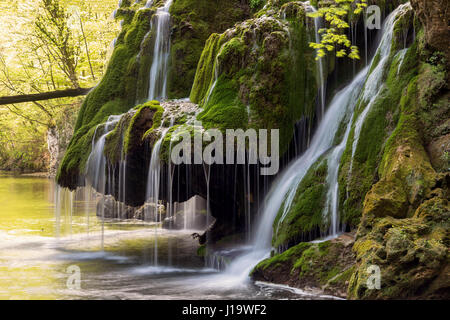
x: 435, y: 16
x: 53, y: 149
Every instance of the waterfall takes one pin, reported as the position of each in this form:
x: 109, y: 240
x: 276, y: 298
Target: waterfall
x: 374, y: 83
x: 161, y: 52
x: 282, y: 192
x: 322, y: 83
x: 96, y: 163
x: 334, y: 161
x: 153, y: 186
x: 148, y: 4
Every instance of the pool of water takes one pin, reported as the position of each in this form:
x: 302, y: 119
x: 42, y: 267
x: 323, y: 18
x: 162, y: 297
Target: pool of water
x: 42, y: 255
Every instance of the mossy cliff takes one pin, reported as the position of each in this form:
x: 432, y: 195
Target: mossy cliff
x: 304, y: 220
x: 358, y: 169
x: 126, y: 80
x: 115, y: 94
x: 259, y: 74
x: 405, y: 215
x: 193, y: 21
x: 395, y: 190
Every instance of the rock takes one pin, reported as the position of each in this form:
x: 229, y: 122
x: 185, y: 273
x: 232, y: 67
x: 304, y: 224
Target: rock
x: 147, y: 213
x: 435, y: 16
x: 113, y: 209
x: 189, y: 215
x: 325, y: 266
x: 386, y: 199
x: 412, y: 255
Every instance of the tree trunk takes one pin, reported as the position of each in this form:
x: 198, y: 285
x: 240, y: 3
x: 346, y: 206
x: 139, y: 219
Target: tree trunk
x: 44, y: 96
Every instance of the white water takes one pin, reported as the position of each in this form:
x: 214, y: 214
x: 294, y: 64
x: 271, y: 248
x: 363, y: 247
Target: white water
x: 148, y: 4
x: 287, y: 183
x: 161, y: 52
x: 321, y: 143
x: 96, y: 163
x: 153, y: 186
x: 374, y: 83
x: 284, y: 188
x: 334, y: 160
x: 322, y: 84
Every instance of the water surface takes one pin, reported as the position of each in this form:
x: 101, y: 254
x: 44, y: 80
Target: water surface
x: 116, y: 260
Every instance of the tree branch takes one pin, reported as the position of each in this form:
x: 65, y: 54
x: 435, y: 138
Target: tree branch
x: 44, y: 96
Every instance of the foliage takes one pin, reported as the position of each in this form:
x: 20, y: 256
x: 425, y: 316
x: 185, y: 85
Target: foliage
x: 332, y: 38
x: 254, y: 4
x: 47, y: 45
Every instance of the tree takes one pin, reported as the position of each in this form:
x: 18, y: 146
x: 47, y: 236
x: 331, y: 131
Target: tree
x: 48, y: 50
x: 57, y: 39
x: 333, y: 39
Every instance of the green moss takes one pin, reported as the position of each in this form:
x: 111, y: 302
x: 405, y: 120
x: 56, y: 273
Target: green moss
x: 411, y: 254
x: 133, y: 135
x: 380, y: 122
x: 306, y: 212
x: 267, y: 75
x: 115, y: 94
x: 193, y: 21
x: 205, y: 70
x: 172, y: 134
x: 202, y: 251
x: 288, y: 257
x: 223, y: 110
x: 328, y: 265
x: 114, y: 140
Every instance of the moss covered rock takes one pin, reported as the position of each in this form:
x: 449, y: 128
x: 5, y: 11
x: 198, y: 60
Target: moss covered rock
x: 193, y: 21
x: 259, y: 74
x: 406, y: 211
x: 412, y: 254
x: 304, y: 220
x: 326, y: 266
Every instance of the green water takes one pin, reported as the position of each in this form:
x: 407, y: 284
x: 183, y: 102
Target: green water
x: 116, y: 260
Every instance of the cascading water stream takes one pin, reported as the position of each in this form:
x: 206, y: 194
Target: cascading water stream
x: 374, y: 83
x: 161, y: 52
x: 153, y: 186
x: 333, y: 163
x: 322, y: 83
x: 282, y: 192
x: 96, y: 164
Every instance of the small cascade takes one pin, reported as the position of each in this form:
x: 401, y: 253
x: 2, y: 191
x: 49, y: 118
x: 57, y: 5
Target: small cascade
x: 318, y: 24
x: 96, y: 163
x: 161, y: 52
x: 401, y: 56
x: 374, y: 83
x: 214, y: 82
x: 153, y: 210
x: 148, y: 4
x: 334, y: 160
